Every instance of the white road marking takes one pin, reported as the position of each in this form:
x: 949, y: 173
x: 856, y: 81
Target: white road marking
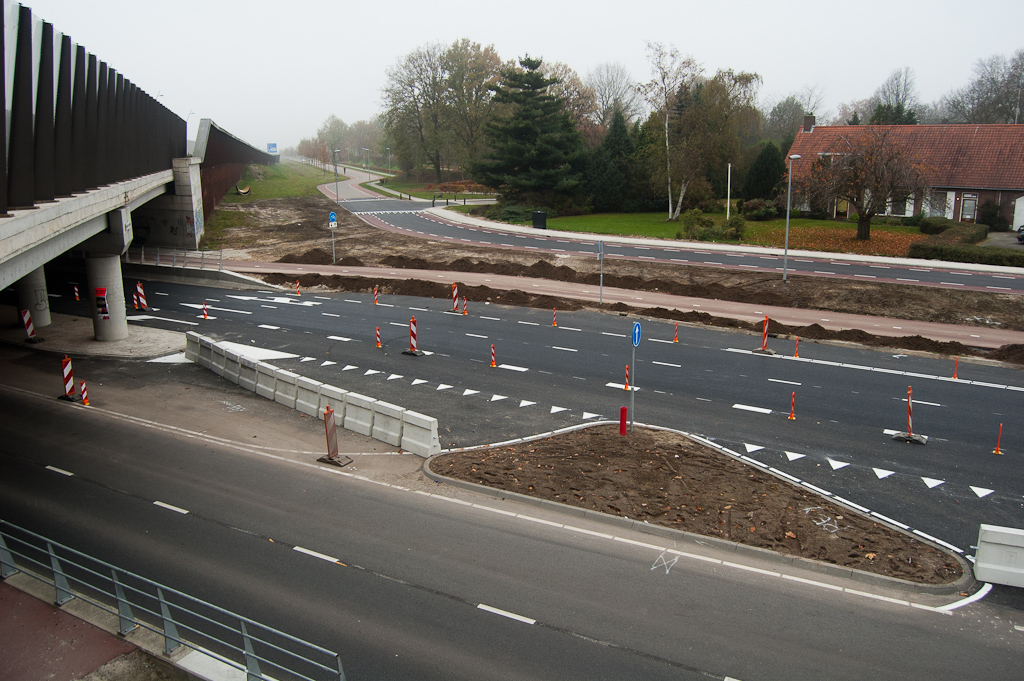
x: 917, y: 402
x: 752, y: 448
x: 199, y: 306
x: 444, y: 386
x: 747, y: 407
x: 621, y: 386
x: 493, y: 319
x: 932, y: 482
x: 394, y: 376
x: 475, y: 335
x: 315, y: 554
x: 588, y: 415
x: 569, y: 328
x: 555, y: 410
x: 397, y: 324
x: 977, y: 596
x: 793, y: 456
x: 170, y: 508
x: 617, y: 335
x: 144, y: 317
x: 370, y: 372
x: 59, y: 470
x: 467, y: 391
x: 836, y: 465
x: 495, y: 398
x: 349, y: 367
x: 779, y: 380
x: 327, y: 363
x: 556, y: 347
x: 268, y: 326
x: 417, y: 381
x: 882, y: 473
x: 506, y: 613
x: 668, y: 364
x: 330, y: 314
x: 981, y: 491
x: 340, y: 338
x: 525, y: 403
x: 512, y: 367
x: 529, y: 323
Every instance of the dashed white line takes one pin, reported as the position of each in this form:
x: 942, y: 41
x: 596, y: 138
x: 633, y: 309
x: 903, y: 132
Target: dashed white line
x: 475, y: 335
x: 512, y: 367
x: 779, y: 380
x: 176, y: 509
x: 506, y: 613
x: 616, y: 335
x: 668, y: 364
x: 59, y: 470
x: 747, y: 407
x: 315, y: 554
x: 556, y: 347
x: 528, y: 323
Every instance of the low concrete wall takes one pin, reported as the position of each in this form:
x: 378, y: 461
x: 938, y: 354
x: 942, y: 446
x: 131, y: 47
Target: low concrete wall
x: 413, y: 432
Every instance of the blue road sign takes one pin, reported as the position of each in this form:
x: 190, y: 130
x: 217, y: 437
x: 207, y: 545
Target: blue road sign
x: 636, y: 334
x: 333, y: 217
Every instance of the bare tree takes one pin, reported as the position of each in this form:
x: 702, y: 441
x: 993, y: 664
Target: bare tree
x: 994, y: 95
x: 670, y: 73
x: 578, y: 100
x: 899, y: 88
x: 870, y: 166
x: 812, y: 98
x: 614, y: 89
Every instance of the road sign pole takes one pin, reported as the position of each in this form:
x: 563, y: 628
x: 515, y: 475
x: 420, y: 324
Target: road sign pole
x: 600, y: 257
x: 632, y: 392
x: 334, y: 257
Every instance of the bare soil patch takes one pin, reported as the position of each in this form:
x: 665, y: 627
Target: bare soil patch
x: 666, y: 479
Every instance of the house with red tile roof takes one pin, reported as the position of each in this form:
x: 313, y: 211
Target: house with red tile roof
x: 966, y: 165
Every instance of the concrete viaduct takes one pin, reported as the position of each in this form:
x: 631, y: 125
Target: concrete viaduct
x: 92, y: 163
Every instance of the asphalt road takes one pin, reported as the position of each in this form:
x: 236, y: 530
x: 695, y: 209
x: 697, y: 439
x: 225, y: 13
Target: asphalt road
x: 848, y: 400
x: 409, y: 584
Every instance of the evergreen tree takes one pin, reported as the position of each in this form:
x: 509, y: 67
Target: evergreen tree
x: 536, y: 154
x: 610, y: 171
x: 764, y: 174
x: 889, y: 114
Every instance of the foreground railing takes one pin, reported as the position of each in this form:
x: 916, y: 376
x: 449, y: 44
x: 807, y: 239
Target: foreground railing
x: 175, y: 257
x: 181, y: 619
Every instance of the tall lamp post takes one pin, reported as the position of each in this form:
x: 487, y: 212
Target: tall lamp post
x: 389, y: 160
x: 336, y: 199
x: 366, y: 159
x: 789, y: 201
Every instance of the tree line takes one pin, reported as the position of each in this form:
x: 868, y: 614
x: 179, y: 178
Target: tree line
x: 543, y: 136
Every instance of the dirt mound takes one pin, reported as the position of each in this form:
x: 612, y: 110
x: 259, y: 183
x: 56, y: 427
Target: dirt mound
x: 318, y: 256
x: 666, y: 479
x: 1009, y: 353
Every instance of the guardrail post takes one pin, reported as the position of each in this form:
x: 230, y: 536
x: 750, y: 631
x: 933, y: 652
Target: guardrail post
x: 252, y: 664
x: 341, y: 672
x: 60, y: 580
x: 171, y: 640
x: 126, y: 620
x: 7, y: 567
x: 202, y: 260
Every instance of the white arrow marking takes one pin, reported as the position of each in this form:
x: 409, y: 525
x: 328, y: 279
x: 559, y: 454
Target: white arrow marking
x: 495, y: 398
x: 307, y: 359
x: 394, y: 376
x: 199, y: 306
x: 525, y: 403
x: 793, y: 456
x: 349, y: 367
x: 417, y: 381
x: 932, y: 482
x: 836, y: 465
x: 327, y: 363
x: 444, y: 386
x: 370, y: 372
x: 882, y: 473
x: 752, y: 448
x: 588, y: 415
x: 467, y: 391
x: 555, y: 410
x: 981, y: 491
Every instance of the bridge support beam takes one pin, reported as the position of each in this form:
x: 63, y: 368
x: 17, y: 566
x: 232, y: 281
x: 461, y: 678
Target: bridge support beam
x: 106, y: 294
x: 175, y: 219
x: 32, y: 296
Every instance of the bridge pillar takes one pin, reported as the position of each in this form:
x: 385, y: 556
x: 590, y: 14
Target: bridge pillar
x: 106, y: 294
x: 32, y: 296
x: 174, y: 220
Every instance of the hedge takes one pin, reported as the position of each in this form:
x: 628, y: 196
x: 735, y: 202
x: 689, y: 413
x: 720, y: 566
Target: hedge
x: 1007, y: 257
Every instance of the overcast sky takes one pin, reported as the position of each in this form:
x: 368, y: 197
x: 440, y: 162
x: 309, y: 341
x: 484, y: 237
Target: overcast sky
x: 272, y: 71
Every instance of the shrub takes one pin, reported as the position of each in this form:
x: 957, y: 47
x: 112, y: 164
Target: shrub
x: 913, y: 221
x: 759, y: 209
x: 1007, y: 257
x: 696, y: 225
x: 739, y: 205
x: 734, y: 228
x: 934, y: 225
x: 989, y: 215
x: 959, y: 233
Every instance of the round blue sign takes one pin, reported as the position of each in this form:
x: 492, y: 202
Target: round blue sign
x: 636, y: 334
x: 333, y: 217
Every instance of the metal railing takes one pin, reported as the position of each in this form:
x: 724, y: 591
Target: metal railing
x: 234, y: 640
x: 175, y: 257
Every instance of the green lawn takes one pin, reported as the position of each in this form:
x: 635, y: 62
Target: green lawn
x: 418, y: 190
x: 281, y: 180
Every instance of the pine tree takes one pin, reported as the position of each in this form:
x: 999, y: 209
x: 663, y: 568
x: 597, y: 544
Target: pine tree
x: 610, y: 171
x: 536, y: 154
x: 764, y: 174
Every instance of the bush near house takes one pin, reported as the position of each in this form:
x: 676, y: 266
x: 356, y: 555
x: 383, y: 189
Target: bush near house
x: 984, y: 255
x: 759, y: 209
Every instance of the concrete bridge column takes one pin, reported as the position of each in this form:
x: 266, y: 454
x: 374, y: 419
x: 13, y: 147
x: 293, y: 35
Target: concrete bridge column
x: 32, y: 296
x: 106, y: 294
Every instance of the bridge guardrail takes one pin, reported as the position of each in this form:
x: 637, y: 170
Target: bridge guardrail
x: 175, y: 257
x: 235, y: 640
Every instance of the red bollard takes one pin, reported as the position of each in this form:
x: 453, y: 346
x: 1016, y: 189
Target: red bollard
x: 69, y: 379
x: 623, y: 411
x: 76, y: 291
x: 998, y: 440
x: 374, y: 295
x: 554, y: 316
x: 141, y: 294
x: 764, y: 334
x: 492, y: 356
x: 796, y: 352
x: 626, y: 386
x: 455, y: 297
x: 675, y: 337
x: 464, y: 305
x: 378, y: 336
x: 955, y: 363
x: 792, y: 408
x: 298, y: 289
x: 85, y: 394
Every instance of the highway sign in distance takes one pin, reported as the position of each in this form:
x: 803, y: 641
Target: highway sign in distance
x: 636, y: 334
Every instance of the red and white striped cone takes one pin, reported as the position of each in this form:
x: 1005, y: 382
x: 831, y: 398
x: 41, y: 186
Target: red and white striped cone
x: 135, y: 300
x: 796, y: 351
x: 141, y: 295
x: 492, y: 356
x: 298, y: 289
x: 764, y: 334
x: 910, y: 411
x: 30, y: 329
x: 76, y: 291
x: 626, y: 386
x: 378, y: 336
x: 675, y: 336
x: 69, y: 379
x: 85, y: 394
x: 464, y: 311
x: 374, y: 295
x: 554, y: 316
x: 205, y: 316
x: 792, y: 408
x: 998, y: 440
x: 455, y: 297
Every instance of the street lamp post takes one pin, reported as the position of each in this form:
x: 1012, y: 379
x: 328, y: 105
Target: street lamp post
x: 389, y: 160
x: 366, y: 158
x: 789, y: 201
x: 336, y: 199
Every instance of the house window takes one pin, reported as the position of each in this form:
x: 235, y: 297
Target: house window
x: 898, y: 206
x: 968, y: 207
x: 938, y: 205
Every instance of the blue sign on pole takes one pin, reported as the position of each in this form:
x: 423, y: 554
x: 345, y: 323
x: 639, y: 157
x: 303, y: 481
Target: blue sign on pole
x: 636, y: 334
x: 333, y: 217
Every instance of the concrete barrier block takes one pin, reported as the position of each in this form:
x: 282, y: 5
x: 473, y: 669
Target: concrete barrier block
x: 335, y: 398
x: 205, y: 352
x: 1000, y: 556
x: 266, y: 380
x: 359, y: 413
x: 232, y: 366
x: 217, y: 359
x: 192, y: 346
x: 307, y: 396
x: 419, y: 434
x: 247, y: 373
x: 387, y: 423
x: 285, y: 390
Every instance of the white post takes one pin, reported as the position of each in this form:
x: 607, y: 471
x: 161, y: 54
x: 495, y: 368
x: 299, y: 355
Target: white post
x: 728, y: 193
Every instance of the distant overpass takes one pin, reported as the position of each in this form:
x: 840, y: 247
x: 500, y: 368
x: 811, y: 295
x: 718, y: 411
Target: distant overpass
x: 93, y: 163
